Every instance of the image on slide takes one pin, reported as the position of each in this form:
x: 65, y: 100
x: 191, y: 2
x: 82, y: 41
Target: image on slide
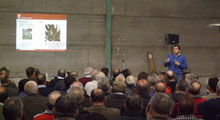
x: 52, y: 33
x: 27, y: 34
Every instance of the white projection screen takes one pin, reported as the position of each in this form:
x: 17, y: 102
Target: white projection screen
x: 41, y: 32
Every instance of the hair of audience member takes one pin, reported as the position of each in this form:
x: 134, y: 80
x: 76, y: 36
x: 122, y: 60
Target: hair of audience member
x: 130, y: 79
x: 105, y: 71
x: 213, y: 83
x: 3, y: 94
x: 74, y: 74
x: 104, y: 85
x: 30, y: 72
x: 21, y: 84
x: 4, y: 80
x: 194, y: 87
x: 41, y: 79
x: 95, y: 116
x: 161, y: 104
x: 13, y: 108
x: 160, y: 87
x: 191, y: 77
x: 62, y: 72
x: 143, y: 87
x: 143, y: 75
x: 94, y: 73
x: 170, y: 75
x: 120, y: 77
x: 66, y: 106
x: 97, y: 95
x: 31, y: 87
x: 69, y: 80
x: 186, y: 105
x: 37, y: 71
x: 153, y: 79
x: 119, y: 86
x: 100, y: 76
x: 134, y: 102
x: 182, y: 85
x: 78, y: 93
x: 116, y: 72
x: 77, y: 84
x: 5, y: 71
x: 88, y: 70
x: 126, y: 73
x: 52, y: 97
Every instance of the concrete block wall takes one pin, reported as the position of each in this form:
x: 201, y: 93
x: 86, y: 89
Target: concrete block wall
x: 138, y: 26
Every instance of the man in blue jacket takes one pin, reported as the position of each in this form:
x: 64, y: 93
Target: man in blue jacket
x: 176, y: 62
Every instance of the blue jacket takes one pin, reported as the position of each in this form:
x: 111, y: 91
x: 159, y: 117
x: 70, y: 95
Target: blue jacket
x: 178, y: 70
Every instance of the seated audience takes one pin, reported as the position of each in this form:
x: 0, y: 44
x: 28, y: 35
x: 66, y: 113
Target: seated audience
x: 171, y: 80
x: 117, y: 98
x: 211, y: 87
x: 91, y: 85
x: 98, y: 105
x: 33, y: 102
x: 21, y: 84
x: 159, y: 107
x: 88, y: 76
x: 3, y: 98
x: 58, y: 82
x: 66, y: 107
x: 41, y: 81
x: 48, y: 113
x: 61, y: 74
x: 160, y: 87
x: 13, y: 109
x: 142, y: 75
x: 186, y: 108
x: 133, y: 108
x: 210, y: 109
x: 78, y: 92
x: 11, y: 90
x: 181, y: 89
x: 115, y: 73
x: 143, y: 89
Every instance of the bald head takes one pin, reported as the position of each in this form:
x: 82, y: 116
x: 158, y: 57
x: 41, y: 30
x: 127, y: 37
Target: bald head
x: 160, y: 87
x: 97, y: 95
x: 31, y: 87
x: 77, y: 84
x: 52, y: 97
x: 116, y: 72
x: 195, y: 87
x: 170, y: 75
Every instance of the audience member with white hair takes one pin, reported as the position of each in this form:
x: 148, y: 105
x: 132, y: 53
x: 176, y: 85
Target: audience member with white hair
x: 120, y: 77
x: 33, y: 102
x: 88, y: 76
x: 94, y: 83
x: 131, y: 81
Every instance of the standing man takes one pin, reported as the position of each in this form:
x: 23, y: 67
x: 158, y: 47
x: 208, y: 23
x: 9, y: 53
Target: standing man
x: 176, y: 62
